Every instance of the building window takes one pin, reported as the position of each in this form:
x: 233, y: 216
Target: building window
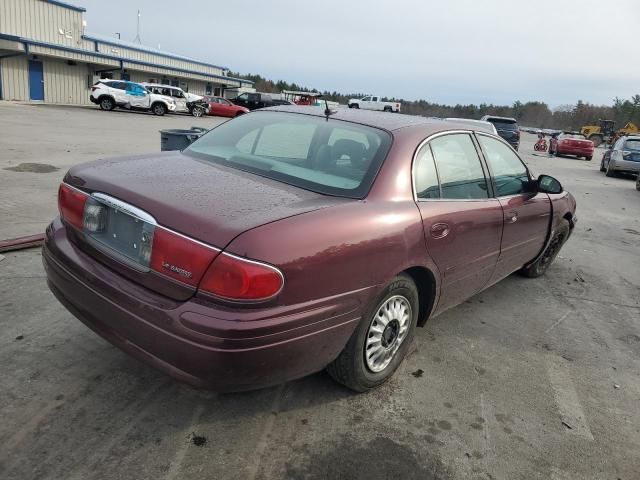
x: 175, y: 82
x: 217, y: 92
x: 125, y: 76
x: 208, y: 89
x: 165, y: 81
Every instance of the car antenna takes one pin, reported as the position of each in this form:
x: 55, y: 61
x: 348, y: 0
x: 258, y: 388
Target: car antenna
x: 327, y: 110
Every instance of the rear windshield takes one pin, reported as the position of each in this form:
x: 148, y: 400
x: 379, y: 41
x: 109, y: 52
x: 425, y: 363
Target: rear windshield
x: 503, y: 123
x: 576, y: 136
x: 331, y: 157
x: 632, y: 145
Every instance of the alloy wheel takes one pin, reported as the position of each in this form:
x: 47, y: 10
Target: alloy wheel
x: 387, y: 331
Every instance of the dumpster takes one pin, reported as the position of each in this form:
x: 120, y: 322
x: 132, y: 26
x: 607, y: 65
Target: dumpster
x: 179, y: 139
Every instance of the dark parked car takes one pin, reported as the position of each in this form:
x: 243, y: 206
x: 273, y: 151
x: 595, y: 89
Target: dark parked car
x: 254, y: 101
x: 283, y: 242
x: 622, y: 157
x: 507, y: 128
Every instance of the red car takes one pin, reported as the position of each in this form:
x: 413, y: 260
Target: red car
x: 574, y: 144
x: 221, y: 107
x: 287, y: 241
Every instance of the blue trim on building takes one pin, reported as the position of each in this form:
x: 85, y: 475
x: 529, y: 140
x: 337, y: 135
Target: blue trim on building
x: 151, y: 51
x: 26, y: 42
x: 66, y: 5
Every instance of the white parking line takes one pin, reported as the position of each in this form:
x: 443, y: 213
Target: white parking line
x: 573, y: 418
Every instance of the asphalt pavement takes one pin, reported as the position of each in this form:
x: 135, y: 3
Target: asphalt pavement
x: 531, y: 379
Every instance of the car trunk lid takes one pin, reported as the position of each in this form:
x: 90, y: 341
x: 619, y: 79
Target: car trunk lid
x: 206, y: 202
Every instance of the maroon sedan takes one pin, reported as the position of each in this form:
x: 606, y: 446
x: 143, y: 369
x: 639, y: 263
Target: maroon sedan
x: 283, y: 242
x: 222, y: 107
x: 574, y: 144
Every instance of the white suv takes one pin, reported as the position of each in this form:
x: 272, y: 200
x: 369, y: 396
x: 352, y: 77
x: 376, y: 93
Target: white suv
x: 184, y: 100
x: 110, y: 94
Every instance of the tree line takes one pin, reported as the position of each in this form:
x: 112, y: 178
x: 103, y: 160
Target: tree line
x: 532, y: 114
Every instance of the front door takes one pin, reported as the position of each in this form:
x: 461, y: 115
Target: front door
x: 36, y: 80
x: 526, y: 214
x: 462, y: 224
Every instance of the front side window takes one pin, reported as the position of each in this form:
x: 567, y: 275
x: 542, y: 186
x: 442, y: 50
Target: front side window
x: 510, y: 175
x: 333, y: 157
x: 633, y: 145
x: 459, y: 168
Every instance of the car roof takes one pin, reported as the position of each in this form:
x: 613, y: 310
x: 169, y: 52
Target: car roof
x: 384, y: 120
x: 497, y: 117
x: 146, y: 84
x: 487, y: 126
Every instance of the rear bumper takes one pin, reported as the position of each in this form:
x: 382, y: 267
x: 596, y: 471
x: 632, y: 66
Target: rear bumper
x: 196, y: 342
x: 579, y: 151
x: 93, y: 100
x: 626, y: 166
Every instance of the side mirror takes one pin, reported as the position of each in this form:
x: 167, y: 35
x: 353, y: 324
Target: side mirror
x: 548, y: 184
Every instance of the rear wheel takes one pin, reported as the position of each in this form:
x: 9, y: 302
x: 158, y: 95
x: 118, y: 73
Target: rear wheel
x: 107, y: 103
x: 541, y: 265
x: 354, y: 105
x: 381, y: 340
x: 387, y: 109
x: 159, y: 109
x: 589, y: 157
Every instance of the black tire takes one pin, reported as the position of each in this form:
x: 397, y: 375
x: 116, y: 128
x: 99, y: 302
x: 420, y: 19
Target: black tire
x: 159, y: 109
x: 638, y: 182
x: 388, y: 109
x: 602, y: 169
x: 541, y: 265
x: 350, y: 368
x: 197, y: 111
x: 610, y: 172
x: 589, y: 158
x: 107, y: 103
x: 354, y: 105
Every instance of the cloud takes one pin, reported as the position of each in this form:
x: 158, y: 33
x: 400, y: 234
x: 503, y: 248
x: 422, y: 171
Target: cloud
x: 460, y: 51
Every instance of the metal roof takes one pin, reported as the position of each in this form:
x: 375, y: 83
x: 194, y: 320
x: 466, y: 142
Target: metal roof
x: 67, y: 5
x: 143, y: 48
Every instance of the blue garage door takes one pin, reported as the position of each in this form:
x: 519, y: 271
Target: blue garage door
x: 36, y: 80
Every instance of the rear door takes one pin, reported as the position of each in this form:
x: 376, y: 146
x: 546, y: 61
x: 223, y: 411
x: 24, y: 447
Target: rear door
x: 179, y: 98
x: 462, y: 223
x: 526, y: 214
x: 137, y: 96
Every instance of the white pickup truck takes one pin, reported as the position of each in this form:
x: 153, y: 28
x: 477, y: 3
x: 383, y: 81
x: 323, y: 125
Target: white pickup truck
x: 374, y: 102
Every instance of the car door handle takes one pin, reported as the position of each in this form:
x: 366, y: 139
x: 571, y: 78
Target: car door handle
x: 439, y: 230
x: 511, y: 217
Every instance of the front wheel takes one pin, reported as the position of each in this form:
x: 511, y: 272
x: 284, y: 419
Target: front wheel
x: 588, y: 157
x: 197, y: 111
x: 610, y: 172
x: 638, y: 182
x: 107, y: 103
x: 381, y: 340
x: 541, y: 265
x: 159, y: 109
x: 602, y: 169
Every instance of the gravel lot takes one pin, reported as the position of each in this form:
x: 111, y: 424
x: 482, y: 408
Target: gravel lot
x: 529, y: 379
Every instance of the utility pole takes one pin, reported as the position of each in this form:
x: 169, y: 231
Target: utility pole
x: 137, y: 39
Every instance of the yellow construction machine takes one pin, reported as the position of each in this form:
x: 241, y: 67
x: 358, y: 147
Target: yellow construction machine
x: 605, y: 131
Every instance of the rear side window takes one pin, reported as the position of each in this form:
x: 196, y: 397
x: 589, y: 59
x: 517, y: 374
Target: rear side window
x: 459, y: 168
x: 509, y: 173
x: 632, y: 145
x: 333, y: 157
x: 503, y: 124
x: 425, y: 176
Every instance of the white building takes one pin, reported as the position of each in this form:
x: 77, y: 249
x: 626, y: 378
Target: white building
x: 46, y: 55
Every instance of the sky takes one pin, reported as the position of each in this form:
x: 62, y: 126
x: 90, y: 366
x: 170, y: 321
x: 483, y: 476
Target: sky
x: 451, y: 52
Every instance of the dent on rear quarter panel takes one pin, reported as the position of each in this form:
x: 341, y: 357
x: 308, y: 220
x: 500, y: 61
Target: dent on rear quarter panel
x: 338, y: 249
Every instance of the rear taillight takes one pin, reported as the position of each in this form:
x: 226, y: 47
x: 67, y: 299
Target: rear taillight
x: 180, y: 257
x: 236, y: 278
x: 71, y: 205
